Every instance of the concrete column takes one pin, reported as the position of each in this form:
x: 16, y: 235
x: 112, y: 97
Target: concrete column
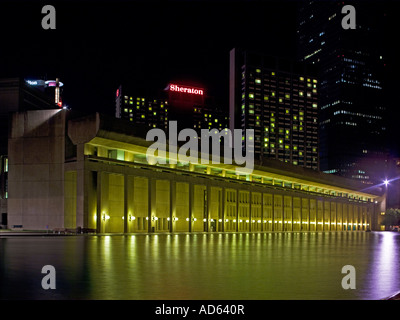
x: 262, y: 211
x: 237, y: 209
x: 273, y: 211
x: 191, y: 203
x: 222, y: 209
x: 250, y: 208
x: 172, y: 203
x: 80, y: 185
x: 152, y: 203
x: 99, y: 195
x: 207, y: 208
x: 309, y: 213
x: 126, y: 200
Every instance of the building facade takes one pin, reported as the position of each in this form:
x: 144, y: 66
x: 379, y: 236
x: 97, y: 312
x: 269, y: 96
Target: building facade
x: 17, y: 95
x: 279, y: 100
x: 98, y: 178
x: 351, y: 68
x: 191, y: 108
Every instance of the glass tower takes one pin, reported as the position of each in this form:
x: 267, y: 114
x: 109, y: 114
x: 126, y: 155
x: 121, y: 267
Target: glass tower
x: 279, y: 100
x: 351, y: 64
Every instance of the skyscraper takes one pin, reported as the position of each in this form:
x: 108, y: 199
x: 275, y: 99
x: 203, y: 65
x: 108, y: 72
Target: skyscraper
x: 152, y: 112
x: 351, y: 62
x: 190, y: 106
x: 279, y: 100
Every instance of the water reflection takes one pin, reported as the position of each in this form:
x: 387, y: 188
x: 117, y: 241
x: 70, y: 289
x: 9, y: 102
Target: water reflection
x: 384, y: 262
x: 202, y: 266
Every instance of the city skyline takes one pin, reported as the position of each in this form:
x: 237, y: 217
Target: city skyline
x: 105, y: 45
x: 130, y: 42
x: 113, y: 184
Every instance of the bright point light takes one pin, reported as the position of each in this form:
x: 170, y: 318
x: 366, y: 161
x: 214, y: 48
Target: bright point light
x: 386, y: 182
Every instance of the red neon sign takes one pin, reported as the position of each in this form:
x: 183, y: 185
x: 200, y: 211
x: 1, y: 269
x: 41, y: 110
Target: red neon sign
x: 176, y: 88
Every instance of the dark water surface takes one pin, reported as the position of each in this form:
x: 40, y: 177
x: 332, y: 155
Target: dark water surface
x: 202, y: 266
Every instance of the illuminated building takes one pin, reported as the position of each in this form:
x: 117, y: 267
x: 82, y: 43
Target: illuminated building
x: 279, y: 100
x: 141, y: 110
x: 352, y: 109
x: 17, y: 94
x: 97, y: 177
x: 188, y: 105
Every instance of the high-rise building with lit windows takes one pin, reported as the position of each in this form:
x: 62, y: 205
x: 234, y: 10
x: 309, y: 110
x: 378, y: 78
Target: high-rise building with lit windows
x: 141, y: 110
x: 190, y: 108
x: 279, y: 100
x: 351, y: 65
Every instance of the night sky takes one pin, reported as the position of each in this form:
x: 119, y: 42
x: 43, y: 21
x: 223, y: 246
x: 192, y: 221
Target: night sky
x: 146, y: 44
x: 143, y: 44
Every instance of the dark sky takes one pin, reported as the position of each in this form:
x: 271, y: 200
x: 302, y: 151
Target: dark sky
x: 144, y: 44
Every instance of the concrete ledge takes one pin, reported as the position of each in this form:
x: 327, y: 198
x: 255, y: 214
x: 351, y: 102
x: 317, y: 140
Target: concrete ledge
x: 395, y: 296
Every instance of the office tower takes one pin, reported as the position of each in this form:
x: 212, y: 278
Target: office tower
x: 152, y: 112
x: 186, y: 104
x: 279, y: 100
x: 351, y: 65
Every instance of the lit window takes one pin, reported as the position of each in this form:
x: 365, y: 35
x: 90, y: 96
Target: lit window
x: 251, y: 95
x: 258, y: 80
x: 258, y: 70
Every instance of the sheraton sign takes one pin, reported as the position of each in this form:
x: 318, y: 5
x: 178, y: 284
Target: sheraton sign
x: 177, y: 88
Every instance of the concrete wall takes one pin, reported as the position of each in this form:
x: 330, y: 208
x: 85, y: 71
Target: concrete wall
x: 36, y: 170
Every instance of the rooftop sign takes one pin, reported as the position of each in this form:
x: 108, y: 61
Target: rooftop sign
x: 183, y: 89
